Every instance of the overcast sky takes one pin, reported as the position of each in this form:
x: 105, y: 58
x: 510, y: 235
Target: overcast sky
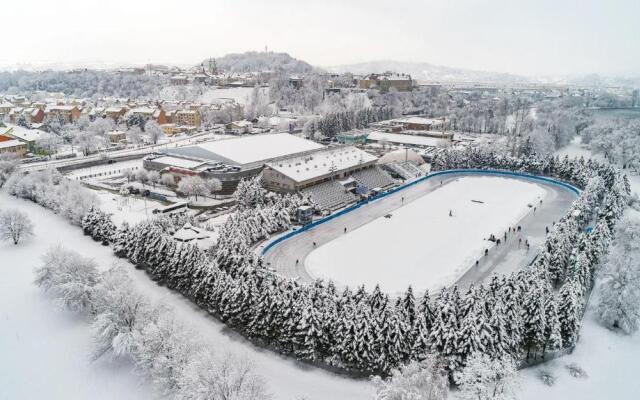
x: 519, y: 36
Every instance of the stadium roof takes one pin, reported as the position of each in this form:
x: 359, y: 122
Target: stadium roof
x: 321, y: 162
x: 248, y: 150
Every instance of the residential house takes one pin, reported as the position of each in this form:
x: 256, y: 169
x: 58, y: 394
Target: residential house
x: 171, y: 129
x: 187, y: 117
x: 28, y: 136
x: 69, y: 113
x: 115, y: 112
x: 239, y: 127
x: 5, y: 109
x: 10, y: 145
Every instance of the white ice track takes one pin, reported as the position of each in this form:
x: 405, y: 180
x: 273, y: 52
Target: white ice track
x: 421, y: 245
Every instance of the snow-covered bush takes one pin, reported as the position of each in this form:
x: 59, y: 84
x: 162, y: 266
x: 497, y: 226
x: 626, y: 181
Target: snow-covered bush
x: 163, y: 348
x: 208, y: 377
x: 547, y: 377
x: 126, y: 324
x: 576, y: 371
x: 51, y: 190
x: 15, y: 226
x: 8, y: 164
x: 485, y: 378
x: 425, y: 380
x: 619, y: 301
x: 121, y: 312
x: 71, y: 279
x: 194, y: 186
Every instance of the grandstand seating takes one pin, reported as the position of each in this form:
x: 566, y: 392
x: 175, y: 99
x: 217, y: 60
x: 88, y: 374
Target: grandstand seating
x: 412, y: 168
x: 406, y: 170
x: 372, y: 178
x: 329, y: 195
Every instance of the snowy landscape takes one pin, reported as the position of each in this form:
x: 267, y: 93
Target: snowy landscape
x: 357, y: 214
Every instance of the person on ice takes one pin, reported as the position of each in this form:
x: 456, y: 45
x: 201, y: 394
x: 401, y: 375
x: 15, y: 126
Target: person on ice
x: 450, y: 213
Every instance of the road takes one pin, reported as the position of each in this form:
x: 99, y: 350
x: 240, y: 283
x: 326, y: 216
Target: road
x: 288, y: 258
x: 141, y: 151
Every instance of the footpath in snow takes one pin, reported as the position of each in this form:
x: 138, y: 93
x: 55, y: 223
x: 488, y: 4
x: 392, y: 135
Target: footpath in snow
x: 420, y: 244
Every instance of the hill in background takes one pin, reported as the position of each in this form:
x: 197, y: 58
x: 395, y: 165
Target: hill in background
x: 253, y: 61
x: 428, y: 72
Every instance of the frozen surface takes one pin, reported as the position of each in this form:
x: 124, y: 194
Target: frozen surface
x: 421, y: 245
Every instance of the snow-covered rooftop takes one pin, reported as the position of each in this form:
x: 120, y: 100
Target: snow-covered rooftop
x: 143, y: 110
x: 188, y: 233
x: 28, y: 135
x: 404, y: 139
x: 178, y: 162
x: 9, y: 143
x: 319, y: 163
x: 252, y: 149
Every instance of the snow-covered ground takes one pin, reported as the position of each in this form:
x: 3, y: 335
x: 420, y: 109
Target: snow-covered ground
x: 130, y: 209
x: 609, y: 358
x: 44, y: 352
x: 105, y: 170
x: 421, y: 245
x: 239, y: 94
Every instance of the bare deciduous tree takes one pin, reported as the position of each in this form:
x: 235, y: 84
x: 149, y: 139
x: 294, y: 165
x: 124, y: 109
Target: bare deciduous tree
x: 15, y: 226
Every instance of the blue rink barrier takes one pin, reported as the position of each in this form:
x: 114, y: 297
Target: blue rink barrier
x: 354, y: 207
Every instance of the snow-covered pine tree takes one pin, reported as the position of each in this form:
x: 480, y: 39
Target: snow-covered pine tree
x: 570, y: 306
x: 553, y: 332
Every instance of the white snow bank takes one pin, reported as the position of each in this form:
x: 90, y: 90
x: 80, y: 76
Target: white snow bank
x: 421, y: 245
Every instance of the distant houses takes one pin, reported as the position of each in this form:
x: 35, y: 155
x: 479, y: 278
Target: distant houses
x: 386, y: 81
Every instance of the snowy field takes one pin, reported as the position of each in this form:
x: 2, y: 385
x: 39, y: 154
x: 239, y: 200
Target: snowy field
x: 45, y: 351
x: 130, y: 209
x: 421, y: 245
